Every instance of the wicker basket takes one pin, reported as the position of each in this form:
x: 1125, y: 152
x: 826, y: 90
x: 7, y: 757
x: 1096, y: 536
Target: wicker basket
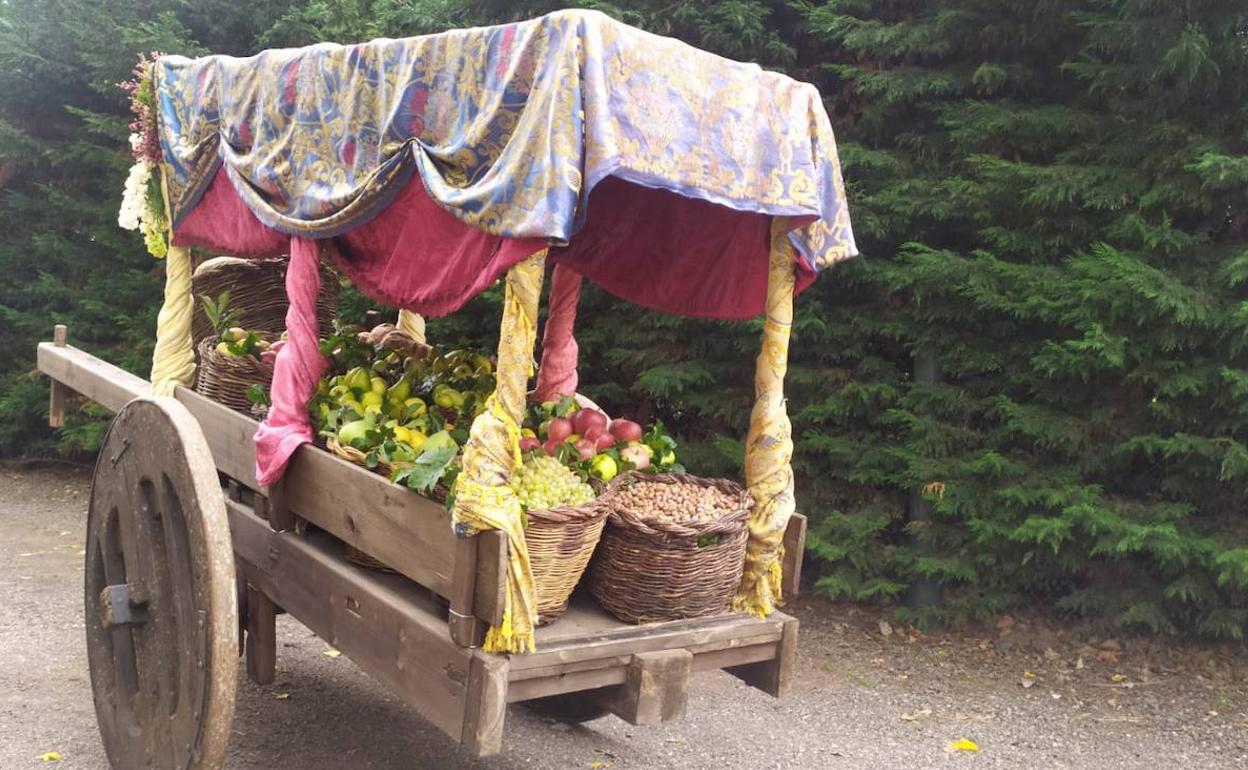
x: 257, y: 290
x: 647, y: 570
x: 226, y: 378
x: 560, y: 541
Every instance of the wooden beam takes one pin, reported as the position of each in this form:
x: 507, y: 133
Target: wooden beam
x: 261, y: 637
x: 230, y: 436
x: 490, y: 586
x: 466, y: 629
x: 794, y: 555
x: 56, y: 395
x: 98, y: 380
x: 655, y: 689
x: 486, y: 708
x: 386, y: 625
x: 775, y: 676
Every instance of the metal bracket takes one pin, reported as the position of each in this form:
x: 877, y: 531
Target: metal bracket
x: 119, y: 608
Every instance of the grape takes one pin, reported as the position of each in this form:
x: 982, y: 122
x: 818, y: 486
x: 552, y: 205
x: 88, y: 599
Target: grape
x: 543, y: 482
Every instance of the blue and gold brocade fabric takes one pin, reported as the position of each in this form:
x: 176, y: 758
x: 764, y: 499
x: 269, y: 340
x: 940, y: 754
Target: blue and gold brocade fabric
x: 509, y: 127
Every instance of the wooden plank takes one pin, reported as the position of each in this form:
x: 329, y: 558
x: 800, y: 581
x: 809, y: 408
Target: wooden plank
x: 775, y: 676
x: 56, y: 394
x: 656, y: 688
x: 794, y: 553
x: 487, y: 704
x: 231, y: 436
x: 389, y: 628
x: 98, y: 380
x: 261, y: 637
x: 399, y: 528
x: 489, y: 594
x: 622, y: 659
x: 623, y: 639
x: 466, y: 629
x: 734, y: 656
x: 529, y: 689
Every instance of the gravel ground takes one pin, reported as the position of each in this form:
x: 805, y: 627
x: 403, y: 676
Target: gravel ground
x: 868, y: 694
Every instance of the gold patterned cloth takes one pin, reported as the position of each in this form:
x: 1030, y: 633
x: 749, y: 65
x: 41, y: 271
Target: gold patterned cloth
x: 509, y: 128
x: 483, y: 499
x: 173, y: 360
x: 769, y: 443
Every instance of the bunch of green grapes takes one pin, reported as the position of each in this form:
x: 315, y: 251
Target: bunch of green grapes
x: 543, y: 482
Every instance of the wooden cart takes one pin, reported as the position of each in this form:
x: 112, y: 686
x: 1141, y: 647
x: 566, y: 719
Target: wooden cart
x: 187, y: 557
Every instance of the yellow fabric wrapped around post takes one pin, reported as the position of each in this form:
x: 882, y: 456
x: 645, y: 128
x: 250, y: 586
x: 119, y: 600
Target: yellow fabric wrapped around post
x: 173, y: 360
x: 413, y: 324
x: 483, y: 499
x: 769, y: 443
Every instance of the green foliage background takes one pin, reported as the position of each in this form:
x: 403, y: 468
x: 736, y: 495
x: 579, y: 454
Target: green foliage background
x: 1050, y: 199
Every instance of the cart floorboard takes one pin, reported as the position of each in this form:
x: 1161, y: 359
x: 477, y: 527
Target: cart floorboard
x: 397, y: 627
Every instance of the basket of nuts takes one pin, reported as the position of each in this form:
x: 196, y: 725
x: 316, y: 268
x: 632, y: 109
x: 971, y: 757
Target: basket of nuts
x: 674, y: 546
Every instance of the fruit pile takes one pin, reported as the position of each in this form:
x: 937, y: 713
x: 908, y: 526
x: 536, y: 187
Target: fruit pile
x: 588, y: 442
x: 675, y: 503
x: 400, y: 404
x: 236, y: 341
x: 542, y: 482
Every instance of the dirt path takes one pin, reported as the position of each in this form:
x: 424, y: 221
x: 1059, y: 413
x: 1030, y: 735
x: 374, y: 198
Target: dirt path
x: 1028, y: 696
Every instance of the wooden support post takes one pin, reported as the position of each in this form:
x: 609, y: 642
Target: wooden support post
x: 656, y: 688
x: 56, y: 399
x: 240, y: 580
x: 486, y: 704
x: 466, y: 629
x: 261, y: 637
x: 280, y: 516
x: 794, y: 551
x: 774, y: 676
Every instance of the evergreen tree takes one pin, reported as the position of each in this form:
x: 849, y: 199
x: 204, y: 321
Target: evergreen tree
x: 1051, y: 199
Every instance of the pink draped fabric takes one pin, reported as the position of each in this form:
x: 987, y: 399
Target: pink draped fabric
x: 298, y: 368
x: 557, y: 375
x: 647, y: 246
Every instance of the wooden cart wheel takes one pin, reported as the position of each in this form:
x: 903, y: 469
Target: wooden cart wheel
x: 161, y: 607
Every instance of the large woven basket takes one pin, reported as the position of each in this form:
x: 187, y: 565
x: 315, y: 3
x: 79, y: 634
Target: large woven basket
x: 257, y: 290
x: 226, y: 378
x: 649, y: 570
x: 560, y: 541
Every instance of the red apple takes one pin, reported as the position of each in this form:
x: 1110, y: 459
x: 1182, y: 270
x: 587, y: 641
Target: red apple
x: 604, y: 441
x: 559, y: 430
x: 585, y: 448
x: 551, y: 446
x: 625, y: 430
x: 589, y: 418
x: 528, y: 442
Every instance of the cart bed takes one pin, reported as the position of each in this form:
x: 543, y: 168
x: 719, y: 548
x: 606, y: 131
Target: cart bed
x: 405, y: 629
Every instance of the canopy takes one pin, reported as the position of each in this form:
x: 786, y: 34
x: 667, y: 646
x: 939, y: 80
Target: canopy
x: 508, y: 130
x: 430, y: 167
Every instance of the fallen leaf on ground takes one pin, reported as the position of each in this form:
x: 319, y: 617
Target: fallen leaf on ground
x: 281, y: 696
x: 1117, y: 678
x: 1050, y: 653
x: 51, y: 756
x: 916, y: 716
x: 885, y: 628
x: 1079, y: 663
x: 962, y: 744
x: 332, y: 653
x: 1107, y: 656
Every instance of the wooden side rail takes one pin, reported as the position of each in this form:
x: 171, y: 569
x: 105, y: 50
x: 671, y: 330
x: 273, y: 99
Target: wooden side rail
x: 408, y: 532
